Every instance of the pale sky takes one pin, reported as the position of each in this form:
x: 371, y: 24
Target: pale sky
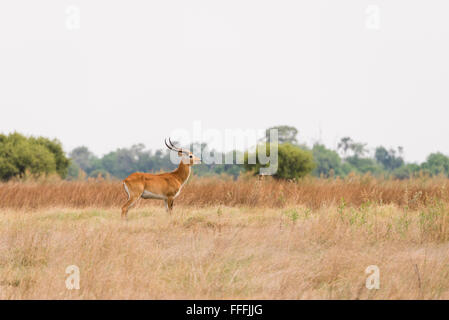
x: 112, y: 73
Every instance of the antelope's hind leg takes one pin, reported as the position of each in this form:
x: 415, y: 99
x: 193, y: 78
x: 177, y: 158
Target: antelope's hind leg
x: 132, y: 199
x: 128, y: 205
x: 169, y: 204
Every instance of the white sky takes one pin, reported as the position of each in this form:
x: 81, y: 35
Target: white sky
x: 135, y: 71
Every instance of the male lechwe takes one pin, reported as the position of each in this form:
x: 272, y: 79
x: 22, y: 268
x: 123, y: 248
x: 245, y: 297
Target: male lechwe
x: 162, y: 186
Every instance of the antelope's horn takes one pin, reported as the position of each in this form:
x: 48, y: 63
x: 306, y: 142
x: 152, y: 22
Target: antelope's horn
x: 171, y: 143
x: 170, y: 147
x: 175, y: 148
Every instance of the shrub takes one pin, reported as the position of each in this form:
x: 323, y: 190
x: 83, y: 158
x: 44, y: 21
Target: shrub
x: 20, y: 156
x: 293, y: 162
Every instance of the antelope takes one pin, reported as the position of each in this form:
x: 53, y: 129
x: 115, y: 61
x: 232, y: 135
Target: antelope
x: 163, y: 186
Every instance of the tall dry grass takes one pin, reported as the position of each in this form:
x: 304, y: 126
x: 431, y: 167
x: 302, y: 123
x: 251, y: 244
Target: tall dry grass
x: 312, y: 192
x: 226, y: 253
x: 248, y: 239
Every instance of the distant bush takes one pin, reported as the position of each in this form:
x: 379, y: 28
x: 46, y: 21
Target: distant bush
x: 406, y: 171
x: 327, y: 161
x: 436, y: 163
x: 293, y: 162
x: 20, y: 155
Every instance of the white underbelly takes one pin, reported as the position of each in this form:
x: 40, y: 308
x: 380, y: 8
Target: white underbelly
x: 150, y: 195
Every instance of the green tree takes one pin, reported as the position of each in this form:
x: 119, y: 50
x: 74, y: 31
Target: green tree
x: 83, y: 158
x: 293, y: 162
x: 73, y: 171
x: 354, y: 160
x: 55, y: 147
x: 347, y: 168
x: 326, y: 160
x: 436, y: 163
x: 205, y: 169
x: 347, y: 144
x: 344, y: 145
x: 388, y: 158
x: 406, y: 171
x: 20, y: 155
x: 364, y: 165
x: 286, y: 134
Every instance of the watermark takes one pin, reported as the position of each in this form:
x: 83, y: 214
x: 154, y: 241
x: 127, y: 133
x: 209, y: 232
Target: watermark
x: 373, y: 280
x: 252, y: 141
x: 248, y: 310
x: 73, y: 280
x: 73, y: 18
x: 372, y: 17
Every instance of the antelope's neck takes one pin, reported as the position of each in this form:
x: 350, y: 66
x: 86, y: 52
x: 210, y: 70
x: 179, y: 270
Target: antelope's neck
x: 183, y: 172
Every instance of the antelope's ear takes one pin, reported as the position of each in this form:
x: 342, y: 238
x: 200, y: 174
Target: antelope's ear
x: 180, y: 153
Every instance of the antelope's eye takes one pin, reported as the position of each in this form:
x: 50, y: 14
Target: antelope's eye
x: 190, y: 156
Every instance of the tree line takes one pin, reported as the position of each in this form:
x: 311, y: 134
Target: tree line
x: 22, y: 157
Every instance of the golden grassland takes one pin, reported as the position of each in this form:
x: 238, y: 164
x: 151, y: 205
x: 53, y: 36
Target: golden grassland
x: 245, y: 239
x: 313, y: 193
